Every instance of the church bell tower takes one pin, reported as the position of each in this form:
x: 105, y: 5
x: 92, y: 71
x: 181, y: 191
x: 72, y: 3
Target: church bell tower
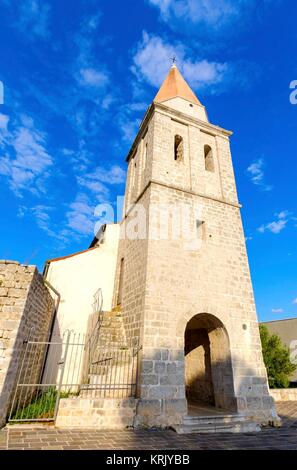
x: 183, y: 279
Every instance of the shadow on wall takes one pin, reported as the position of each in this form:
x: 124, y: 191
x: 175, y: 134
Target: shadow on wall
x: 67, y: 358
x: 208, y: 365
x: 198, y: 373
x: 163, y: 402
x: 202, y: 371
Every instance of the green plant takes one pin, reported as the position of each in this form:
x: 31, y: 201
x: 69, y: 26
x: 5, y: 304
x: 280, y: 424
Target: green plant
x: 42, y: 405
x: 276, y: 358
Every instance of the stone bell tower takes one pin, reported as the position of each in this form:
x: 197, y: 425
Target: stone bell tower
x: 183, y: 278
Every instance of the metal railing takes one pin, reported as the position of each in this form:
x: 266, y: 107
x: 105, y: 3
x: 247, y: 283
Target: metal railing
x: 113, y: 370
x: 40, y: 386
x: 73, y: 365
x: 93, y: 336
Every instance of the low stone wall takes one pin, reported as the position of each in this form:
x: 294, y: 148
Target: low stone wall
x: 25, y: 302
x: 99, y: 413
x: 284, y: 394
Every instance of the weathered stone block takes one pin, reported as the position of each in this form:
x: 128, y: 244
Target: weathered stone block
x: 175, y: 406
x: 172, y: 379
x: 159, y: 367
x: 162, y: 391
x: 149, y: 407
x: 16, y: 293
x: 147, y: 367
x: 149, y: 379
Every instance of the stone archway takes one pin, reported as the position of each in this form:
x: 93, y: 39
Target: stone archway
x: 208, y: 367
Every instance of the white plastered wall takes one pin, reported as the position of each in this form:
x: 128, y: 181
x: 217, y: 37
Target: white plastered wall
x: 78, y: 278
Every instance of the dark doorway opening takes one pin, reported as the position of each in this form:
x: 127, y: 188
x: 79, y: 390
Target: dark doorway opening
x: 208, y: 367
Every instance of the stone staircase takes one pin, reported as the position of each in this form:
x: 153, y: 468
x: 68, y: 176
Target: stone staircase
x: 112, y: 332
x: 105, y: 400
x: 203, y: 419
x: 111, y: 361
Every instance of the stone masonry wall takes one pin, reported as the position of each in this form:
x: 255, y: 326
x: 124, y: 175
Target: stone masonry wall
x: 166, y: 283
x: 214, y: 280
x: 284, y: 394
x: 25, y: 302
x: 99, y: 413
x: 134, y: 253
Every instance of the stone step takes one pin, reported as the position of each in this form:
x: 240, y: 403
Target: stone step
x: 116, y: 374
x: 216, y: 424
x: 111, y: 354
x: 213, y: 419
x: 111, y: 332
x: 107, y: 320
x: 235, y: 427
x: 101, y: 391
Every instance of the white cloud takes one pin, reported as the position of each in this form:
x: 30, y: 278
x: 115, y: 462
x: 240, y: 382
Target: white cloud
x: 33, y: 18
x: 277, y: 310
x: 116, y: 175
x: 136, y: 106
x: 295, y: 301
x: 282, y: 214
x: 255, y: 169
x: 274, y: 227
x: 152, y: 58
x: 41, y: 213
x: 3, y: 122
x: 91, y: 23
x: 214, y: 14
x: 277, y: 225
x: 128, y: 119
x: 98, y: 180
x: 256, y: 173
x: 91, y: 93
x: 204, y: 72
x: 93, y: 77
x: 107, y: 101
x: 87, y: 70
x: 151, y: 62
x: 94, y: 186
x: 129, y: 127
x: 80, y: 216
x: 25, y: 157
x: 164, y: 5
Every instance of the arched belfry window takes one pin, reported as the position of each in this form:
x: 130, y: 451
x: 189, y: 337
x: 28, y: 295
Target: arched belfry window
x: 208, y: 157
x: 178, y: 148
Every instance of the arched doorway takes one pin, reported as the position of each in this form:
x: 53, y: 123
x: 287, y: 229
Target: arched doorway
x: 208, y: 368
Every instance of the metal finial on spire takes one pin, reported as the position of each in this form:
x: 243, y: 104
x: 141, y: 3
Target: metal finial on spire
x: 173, y: 59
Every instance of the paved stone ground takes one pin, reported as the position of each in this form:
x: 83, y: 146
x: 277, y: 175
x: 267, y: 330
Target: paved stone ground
x: 49, y: 437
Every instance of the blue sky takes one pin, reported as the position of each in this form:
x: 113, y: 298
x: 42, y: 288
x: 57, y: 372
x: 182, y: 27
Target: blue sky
x: 78, y: 77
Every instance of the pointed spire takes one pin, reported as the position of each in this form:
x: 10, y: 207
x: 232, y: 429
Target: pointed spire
x: 174, y: 86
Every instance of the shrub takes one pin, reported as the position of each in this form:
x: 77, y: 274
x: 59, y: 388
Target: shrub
x: 276, y: 358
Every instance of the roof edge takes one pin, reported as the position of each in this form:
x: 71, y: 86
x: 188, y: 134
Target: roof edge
x: 274, y: 321
x: 61, y: 258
